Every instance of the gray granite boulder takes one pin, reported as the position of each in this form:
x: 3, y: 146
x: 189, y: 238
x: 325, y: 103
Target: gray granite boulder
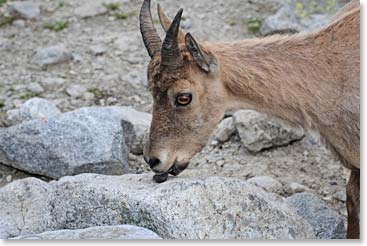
x: 224, y: 131
x: 200, y: 208
x: 258, y: 132
x: 35, y: 108
x: 89, y: 9
x: 136, y: 128
x: 326, y: 223
x: 268, y: 183
x: 24, y: 207
x: 301, y: 15
x: 76, y: 91
x: 24, y: 9
x: 119, y: 232
x: 85, y: 140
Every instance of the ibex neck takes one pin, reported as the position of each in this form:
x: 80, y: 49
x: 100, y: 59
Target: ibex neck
x: 276, y: 75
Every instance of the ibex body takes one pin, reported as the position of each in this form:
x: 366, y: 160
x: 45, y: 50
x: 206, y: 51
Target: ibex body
x: 309, y: 79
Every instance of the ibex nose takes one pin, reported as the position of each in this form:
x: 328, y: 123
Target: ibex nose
x: 153, y: 162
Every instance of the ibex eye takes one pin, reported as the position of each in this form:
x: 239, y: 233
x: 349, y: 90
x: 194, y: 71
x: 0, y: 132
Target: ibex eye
x: 183, y: 99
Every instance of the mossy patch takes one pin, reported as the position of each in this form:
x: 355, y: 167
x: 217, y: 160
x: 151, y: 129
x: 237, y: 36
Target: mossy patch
x: 56, y: 26
x: 123, y: 16
x: 314, y: 7
x: 253, y: 25
x: 28, y: 95
x: 96, y: 92
x: 2, y: 2
x: 2, y: 103
x: 330, y: 5
x: 112, y: 6
x: 115, y: 11
x: 301, y: 10
x: 6, y: 20
x: 61, y: 4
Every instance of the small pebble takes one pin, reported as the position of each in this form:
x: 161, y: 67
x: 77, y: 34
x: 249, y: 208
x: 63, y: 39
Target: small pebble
x: 88, y: 96
x: 76, y: 91
x: 111, y: 101
x: 340, y: 196
x: 214, y: 143
x: 19, y: 23
x: 132, y: 157
x: 221, y: 163
x: 9, y: 178
x: 98, y: 50
x: 268, y: 183
x: 327, y: 198
x: 35, y: 88
x: 296, y: 188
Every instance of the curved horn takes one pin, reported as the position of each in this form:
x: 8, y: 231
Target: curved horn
x: 151, y: 39
x: 166, y: 23
x: 171, y: 55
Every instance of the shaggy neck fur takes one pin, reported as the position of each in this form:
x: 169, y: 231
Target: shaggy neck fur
x: 286, y: 75
x: 308, y: 79
x: 279, y: 75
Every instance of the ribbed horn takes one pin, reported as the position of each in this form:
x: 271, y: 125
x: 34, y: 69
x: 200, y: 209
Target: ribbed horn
x: 151, y: 39
x: 171, y: 55
x: 166, y: 23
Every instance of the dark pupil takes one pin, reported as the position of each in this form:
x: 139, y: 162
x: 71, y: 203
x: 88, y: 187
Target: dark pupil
x: 184, y: 99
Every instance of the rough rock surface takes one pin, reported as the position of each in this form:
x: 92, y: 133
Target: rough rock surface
x: 326, y: 223
x: 85, y: 140
x: 300, y: 15
x: 258, y: 132
x: 51, y: 55
x: 225, y: 130
x: 268, y: 183
x: 136, y: 128
x: 206, y: 208
x: 89, y: 9
x: 295, y: 187
x: 24, y: 9
x: 121, y: 232
x: 35, y: 108
x: 76, y: 91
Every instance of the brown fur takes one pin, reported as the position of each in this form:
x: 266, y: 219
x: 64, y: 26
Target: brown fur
x: 308, y: 79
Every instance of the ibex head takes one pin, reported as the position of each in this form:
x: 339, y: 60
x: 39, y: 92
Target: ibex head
x: 183, y: 77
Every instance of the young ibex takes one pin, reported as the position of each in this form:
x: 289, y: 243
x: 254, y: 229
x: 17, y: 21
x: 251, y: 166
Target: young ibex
x: 309, y: 79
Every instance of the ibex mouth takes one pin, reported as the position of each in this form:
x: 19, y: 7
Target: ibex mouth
x: 174, y: 170
x: 160, y: 178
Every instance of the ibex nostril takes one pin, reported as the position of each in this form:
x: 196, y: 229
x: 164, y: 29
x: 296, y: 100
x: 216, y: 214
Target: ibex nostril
x: 153, y: 162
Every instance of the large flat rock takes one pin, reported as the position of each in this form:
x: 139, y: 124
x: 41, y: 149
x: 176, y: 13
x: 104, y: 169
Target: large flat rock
x: 327, y: 224
x: 121, y: 232
x: 258, y: 131
x: 88, y: 140
x: 200, y: 208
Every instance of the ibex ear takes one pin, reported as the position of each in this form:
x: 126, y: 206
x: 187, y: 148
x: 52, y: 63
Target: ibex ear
x: 204, y: 60
x: 166, y: 23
